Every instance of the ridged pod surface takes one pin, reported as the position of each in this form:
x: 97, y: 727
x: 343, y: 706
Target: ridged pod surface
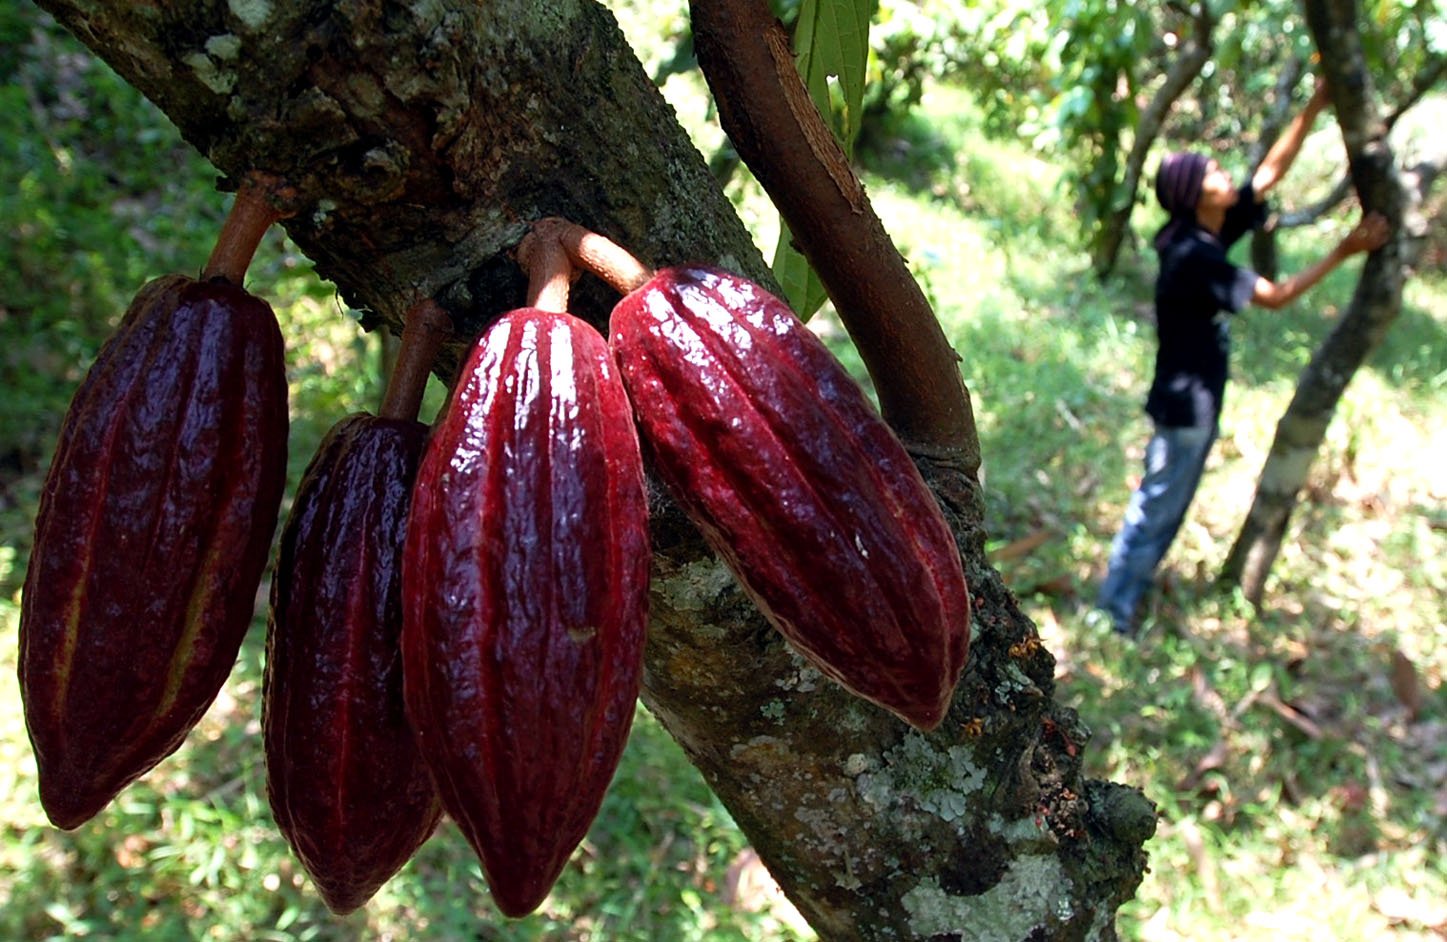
x: 154, y: 527
x: 346, y: 783
x: 799, y: 485
x: 526, y: 583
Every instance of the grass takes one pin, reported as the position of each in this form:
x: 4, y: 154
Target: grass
x: 1299, y: 798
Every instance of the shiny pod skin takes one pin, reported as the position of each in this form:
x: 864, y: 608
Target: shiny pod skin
x: 778, y: 456
x: 346, y: 783
x: 525, y: 578
x: 154, y: 528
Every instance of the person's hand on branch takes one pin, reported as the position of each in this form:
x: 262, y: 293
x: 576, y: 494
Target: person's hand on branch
x: 1368, y: 235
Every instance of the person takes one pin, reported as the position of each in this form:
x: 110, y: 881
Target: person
x: 1196, y: 289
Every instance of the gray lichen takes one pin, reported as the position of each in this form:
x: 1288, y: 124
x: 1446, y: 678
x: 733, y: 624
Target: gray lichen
x: 938, y: 782
x: 693, y: 587
x: 219, y: 81
x: 1031, y: 894
x: 225, y: 47
x: 254, y: 13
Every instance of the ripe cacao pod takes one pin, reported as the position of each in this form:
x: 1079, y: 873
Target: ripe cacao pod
x: 778, y: 456
x: 525, y: 578
x: 347, y: 786
x: 154, y: 527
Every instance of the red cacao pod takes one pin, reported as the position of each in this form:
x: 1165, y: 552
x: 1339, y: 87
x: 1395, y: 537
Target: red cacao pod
x: 799, y: 485
x: 525, y: 577
x: 347, y: 785
x: 154, y: 527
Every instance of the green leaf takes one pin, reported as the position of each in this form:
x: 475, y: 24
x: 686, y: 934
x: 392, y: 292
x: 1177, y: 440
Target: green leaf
x: 831, y: 39
x: 802, y: 288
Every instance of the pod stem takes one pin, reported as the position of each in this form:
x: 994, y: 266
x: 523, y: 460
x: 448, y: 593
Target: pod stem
x: 549, y: 269
x: 425, y: 327
x: 252, y: 213
x: 594, y: 253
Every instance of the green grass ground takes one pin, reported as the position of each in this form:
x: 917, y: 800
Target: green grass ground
x: 1300, y: 798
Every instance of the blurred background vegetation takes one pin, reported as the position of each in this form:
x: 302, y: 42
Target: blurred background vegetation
x: 1298, y: 752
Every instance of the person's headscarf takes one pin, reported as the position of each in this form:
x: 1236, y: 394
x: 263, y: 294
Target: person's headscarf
x: 1178, y: 187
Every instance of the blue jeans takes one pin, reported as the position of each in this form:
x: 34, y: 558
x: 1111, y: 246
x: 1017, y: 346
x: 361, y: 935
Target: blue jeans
x: 1175, y: 458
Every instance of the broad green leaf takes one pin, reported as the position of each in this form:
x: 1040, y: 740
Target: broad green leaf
x: 831, y: 39
x: 802, y: 288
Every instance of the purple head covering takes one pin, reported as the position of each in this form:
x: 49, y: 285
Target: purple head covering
x: 1178, y: 187
x: 1178, y: 183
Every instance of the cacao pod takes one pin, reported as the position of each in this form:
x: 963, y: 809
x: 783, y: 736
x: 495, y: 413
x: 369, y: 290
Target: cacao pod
x: 525, y: 578
x: 154, y: 527
x: 797, y: 483
x: 347, y: 786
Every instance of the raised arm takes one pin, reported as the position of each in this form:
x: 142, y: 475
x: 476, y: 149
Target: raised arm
x: 1279, y: 158
x: 1368, y: 235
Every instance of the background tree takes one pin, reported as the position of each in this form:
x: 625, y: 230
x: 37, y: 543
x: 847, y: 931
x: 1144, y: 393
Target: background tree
x: 1230, y: 87
x: 421, y: 140
x: 1375, y: 304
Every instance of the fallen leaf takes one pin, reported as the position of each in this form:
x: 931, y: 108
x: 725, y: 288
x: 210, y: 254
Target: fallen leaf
x: 1405, y: 685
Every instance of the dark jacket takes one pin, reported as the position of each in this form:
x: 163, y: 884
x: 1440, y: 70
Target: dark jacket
x: 1195, y: 291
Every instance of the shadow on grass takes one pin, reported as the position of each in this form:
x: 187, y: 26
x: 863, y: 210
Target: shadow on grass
x: 1240, y: 720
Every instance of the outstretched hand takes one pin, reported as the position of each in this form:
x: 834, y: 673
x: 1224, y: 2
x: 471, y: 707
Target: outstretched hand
x: 1368, y: 235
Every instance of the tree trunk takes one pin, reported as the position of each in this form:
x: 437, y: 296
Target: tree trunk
x: 421, y: 139
x: 1187, y: 66
x: 1374, y: 306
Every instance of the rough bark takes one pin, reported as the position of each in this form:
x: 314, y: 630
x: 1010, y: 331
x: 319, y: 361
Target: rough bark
x: 421, y: 139
x: 1184, y: 70
x: 1375, y: 303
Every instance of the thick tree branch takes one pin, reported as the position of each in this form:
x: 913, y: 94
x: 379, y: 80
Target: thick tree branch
x: 1422, y: 82
x: 416, y: 161
x: 764, y: 107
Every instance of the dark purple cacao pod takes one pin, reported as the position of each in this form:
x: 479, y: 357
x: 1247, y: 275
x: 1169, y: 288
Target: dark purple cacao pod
x: 799, y: 485
x: 526, y: 588
x: 347, y: 786
x: 154, y: 528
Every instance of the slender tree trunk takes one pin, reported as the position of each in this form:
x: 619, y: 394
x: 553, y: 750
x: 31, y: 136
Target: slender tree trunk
x: 1374, y: 305
x: 420, y: 140
x: 1187, y: 66
x: 1264, y: 259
